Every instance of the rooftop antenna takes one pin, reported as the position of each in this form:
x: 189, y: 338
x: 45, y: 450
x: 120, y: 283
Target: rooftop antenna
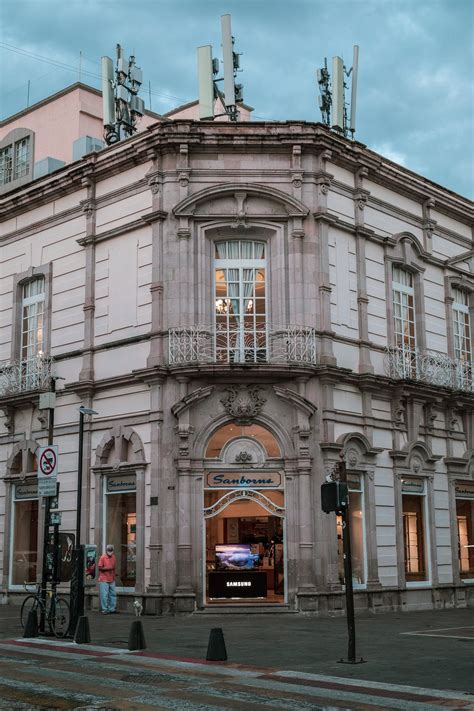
x: 332, y: 102
x: 208, y: 69
x: 122, y: 107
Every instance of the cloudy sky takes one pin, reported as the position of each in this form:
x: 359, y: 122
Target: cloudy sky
x: 415, y: 98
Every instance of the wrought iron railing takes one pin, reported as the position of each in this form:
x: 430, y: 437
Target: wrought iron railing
x: 25, y: 375
x: 429, y: 367
x: 265, y: 344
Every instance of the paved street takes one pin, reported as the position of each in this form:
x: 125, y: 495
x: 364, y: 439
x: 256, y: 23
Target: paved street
x: 418, y: 660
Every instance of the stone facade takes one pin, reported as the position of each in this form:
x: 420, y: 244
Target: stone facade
x: 126, y: 241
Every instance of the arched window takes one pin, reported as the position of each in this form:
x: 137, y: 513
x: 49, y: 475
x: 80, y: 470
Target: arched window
x: 461, y: 326
x: 240, y: 301
x: 403, y: 294
x: 32, y: 315
x: 232, y: 431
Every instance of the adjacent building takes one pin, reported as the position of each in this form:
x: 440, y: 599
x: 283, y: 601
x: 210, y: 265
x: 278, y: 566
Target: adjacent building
x: 242, y: 305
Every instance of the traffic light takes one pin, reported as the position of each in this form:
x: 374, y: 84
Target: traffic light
x: 334, y: 496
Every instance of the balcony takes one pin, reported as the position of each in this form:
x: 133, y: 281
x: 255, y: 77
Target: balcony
x: 429, y: 367
x: 278, y: 345
x: 22, y: 376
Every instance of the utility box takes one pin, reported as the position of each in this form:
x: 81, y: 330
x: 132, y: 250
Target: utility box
x: 334, y: 496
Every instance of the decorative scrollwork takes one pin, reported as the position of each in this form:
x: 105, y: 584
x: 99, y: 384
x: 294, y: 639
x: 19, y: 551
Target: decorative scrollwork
x: 244, y: 402
x: 429, y: 367
x: 246, y: 494
x: 26, y: 375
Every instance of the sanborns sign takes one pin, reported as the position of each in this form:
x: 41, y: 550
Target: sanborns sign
x: 264, y: 480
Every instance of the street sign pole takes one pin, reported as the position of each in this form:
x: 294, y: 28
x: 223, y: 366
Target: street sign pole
x: 47, y: 501
x: 346, y: 549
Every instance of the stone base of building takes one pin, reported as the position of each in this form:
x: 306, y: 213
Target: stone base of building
x: 319, y: 604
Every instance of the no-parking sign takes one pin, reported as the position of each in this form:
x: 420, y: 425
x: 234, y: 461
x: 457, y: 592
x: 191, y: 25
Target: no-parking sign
x: 47, y: 470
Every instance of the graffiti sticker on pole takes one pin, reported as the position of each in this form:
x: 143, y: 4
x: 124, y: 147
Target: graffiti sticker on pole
x: 48, y: 462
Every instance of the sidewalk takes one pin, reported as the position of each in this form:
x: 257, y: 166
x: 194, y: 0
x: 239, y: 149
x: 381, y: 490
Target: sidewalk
x: 430, y: 649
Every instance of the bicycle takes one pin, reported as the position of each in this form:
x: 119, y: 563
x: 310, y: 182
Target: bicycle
x: 56, y: 609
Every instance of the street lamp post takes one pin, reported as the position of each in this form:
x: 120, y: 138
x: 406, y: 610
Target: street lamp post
x: 77, y: 579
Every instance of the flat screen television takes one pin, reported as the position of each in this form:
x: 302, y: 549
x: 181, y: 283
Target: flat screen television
x: 237, y: 556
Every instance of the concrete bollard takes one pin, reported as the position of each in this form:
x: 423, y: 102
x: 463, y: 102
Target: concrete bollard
x: 136, y: 637
x: 82, y: 634
x: 216, y: 651
x: 31, y: 626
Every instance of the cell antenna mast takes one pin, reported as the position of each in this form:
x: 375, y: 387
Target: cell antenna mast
x: 332, y: 93
x: 122, y: 107
x: 208, y: 69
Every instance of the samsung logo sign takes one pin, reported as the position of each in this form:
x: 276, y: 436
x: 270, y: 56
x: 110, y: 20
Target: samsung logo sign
x: 238, y: 584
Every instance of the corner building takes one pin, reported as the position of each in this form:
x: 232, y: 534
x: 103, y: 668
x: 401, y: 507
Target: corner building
x: 242, y: 304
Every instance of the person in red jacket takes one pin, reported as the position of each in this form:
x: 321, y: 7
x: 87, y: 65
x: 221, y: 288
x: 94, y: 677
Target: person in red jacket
x: 108, y: 596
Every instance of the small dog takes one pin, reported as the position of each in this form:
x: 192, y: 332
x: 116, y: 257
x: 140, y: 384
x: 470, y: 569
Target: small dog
x: 138, y: 607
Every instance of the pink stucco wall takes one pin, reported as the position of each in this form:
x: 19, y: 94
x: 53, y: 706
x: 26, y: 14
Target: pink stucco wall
x: 59, y: 121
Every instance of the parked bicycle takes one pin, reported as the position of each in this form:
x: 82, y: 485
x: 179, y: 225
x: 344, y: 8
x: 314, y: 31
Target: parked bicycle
x: 56, y: 610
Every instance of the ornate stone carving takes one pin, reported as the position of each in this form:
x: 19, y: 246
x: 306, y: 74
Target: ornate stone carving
x: 399, y: 412
x: 416, y: 465
x: 243, y: 457
x: 430, y: 414
x: 183, y: 179
x: 452, y: 421
x: 154, y: 185
x: 352, y: 457
x: 184, y: 432
x: 244, y: 402
x: 324, y: 187
x: 297, y: 180
x: 9, y: 415
x: 87, y: 207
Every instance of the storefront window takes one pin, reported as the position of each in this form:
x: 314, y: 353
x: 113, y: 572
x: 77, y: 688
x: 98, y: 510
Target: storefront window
x: 413, y: 504
x: 356, y: 522
x: 24, y: 550
x: 465, y: 526
x: 121, y: 525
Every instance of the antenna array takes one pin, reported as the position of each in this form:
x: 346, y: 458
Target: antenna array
x: 122, y: 107
x: 332, y: 101
x: 208, y: 69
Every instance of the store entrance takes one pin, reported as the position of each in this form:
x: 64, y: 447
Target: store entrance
x: 245, y: 544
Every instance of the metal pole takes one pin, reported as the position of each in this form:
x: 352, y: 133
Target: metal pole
x: 79, y: 478
x: 47, y: 502
x: 77, y: 582
x: 346, y: 546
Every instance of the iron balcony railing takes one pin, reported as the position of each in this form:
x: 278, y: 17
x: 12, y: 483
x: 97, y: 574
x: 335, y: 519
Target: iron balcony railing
x: 239, y: 345
x: 429, y: 367
x: 25, y: 375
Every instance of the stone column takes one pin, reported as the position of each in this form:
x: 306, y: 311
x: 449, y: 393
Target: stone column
x: 156, y: 427
x: 88, y: 242
x: 140, y: 533
x: 185, y: 595
x: 373, y: 580
x: 305, y: 543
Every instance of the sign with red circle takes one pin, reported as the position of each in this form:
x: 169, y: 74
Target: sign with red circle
x: 48, y: 461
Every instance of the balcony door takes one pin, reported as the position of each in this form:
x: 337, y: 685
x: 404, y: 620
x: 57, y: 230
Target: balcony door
x: 240, y: 302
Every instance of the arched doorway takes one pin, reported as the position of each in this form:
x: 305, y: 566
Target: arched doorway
x: 244, y: 518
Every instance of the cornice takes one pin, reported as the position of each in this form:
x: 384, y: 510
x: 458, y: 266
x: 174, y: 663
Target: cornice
x: 110, y: 234
x: 165, y: 137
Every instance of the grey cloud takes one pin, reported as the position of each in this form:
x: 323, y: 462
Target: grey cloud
x: 415, y: 83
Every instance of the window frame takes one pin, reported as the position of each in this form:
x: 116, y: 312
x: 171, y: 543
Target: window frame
x: 20, y: 280
x: 406, y: 254
x: 426, y: 525
x: 14, y: 140
x: 105, y: 505
x: 224, y: 337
